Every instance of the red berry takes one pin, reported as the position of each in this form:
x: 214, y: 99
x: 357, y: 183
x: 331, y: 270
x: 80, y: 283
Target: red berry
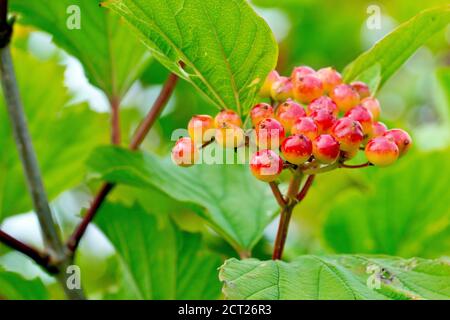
x: 297, y: 149
x: 401, y: 138
x: 269, y: 134
x: 363, y: 116
x: 184, y: 153
x: 324, y: 120
x: 379, y: 129
x: 288, y: 113
x: 266, y: 88
x: 305, y: 126
x: 201, y: 128
x: 362, y: 89
x: 348, y: 132
x: 282, y: 89
x: 260, y: 112
x: 266, y: 165
x: 381, y: 151
x: 373, y: 105
x: 229, y: 117
x: 325, y: 148
x: 322, y: 103
x: 230, y: 136
x: 307, y: 88
x: 345, y: 97
x: 302, y: 71
x: 330, y: 78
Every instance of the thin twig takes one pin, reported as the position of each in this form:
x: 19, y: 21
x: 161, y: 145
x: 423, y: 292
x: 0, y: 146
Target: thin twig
x: 305, y: 189
x: 277, y: 194
x: 356, y: 166
x: 115, y: 120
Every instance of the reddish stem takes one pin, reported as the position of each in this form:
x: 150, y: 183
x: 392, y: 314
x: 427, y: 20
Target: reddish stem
x: 115, y: 120
x: 356, y: 166
x: 306, y: 187
x: 277, y: 194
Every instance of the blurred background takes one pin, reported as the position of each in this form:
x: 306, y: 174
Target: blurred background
x: 402, y: 210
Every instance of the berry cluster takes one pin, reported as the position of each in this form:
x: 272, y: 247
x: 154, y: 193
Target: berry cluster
x: 314, y: 120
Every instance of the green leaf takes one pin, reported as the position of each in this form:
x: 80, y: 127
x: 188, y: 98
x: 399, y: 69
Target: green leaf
x: 62, y: 135
x: 112, y: 59
x: 381, y: 61
x: 159, y: 261
x: 337, y: 277
x: 226, y: 47
x: 14, y: 287
x: 403, y: 211
x: 237, y: 205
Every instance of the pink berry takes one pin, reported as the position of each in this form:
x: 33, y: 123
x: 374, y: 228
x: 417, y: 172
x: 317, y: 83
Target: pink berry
x: 184, y: 153
x: 301, y: 71
x: 307, y: 88
x: 201, y: 128
x: 296, y: 149
x: 373, y: 105
x: 401, y: 138
x: 378, y: 129
x: 362, y: 89
x: 324, y: 120
x: 260, y: 112
x: 269, y: 134
x: 322, y: 103
x: 330, y: 78
x: 288, y: 113
x: 229, y: 117
x: 266, y: 88
x: 363, y: 116
x: 266, y: 165
x: 305, y: 126
x: 282, y: 89
x: 348, y: 132
x: 230, y: 136
x: 325, y: 148
x: 381, y: 151
x: 345, y: 97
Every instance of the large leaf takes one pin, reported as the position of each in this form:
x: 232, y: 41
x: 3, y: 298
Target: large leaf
x: 62, y: 136
x: 159, y: 260
x: 112, y: 59
x: 403, y: 211
x: 337, y: 277
x: 227, y: 49
x: 14, y: 287
x: 237, y: 205
x: 377, y: 64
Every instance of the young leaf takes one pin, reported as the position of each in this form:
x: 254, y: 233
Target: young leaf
x: 346, y: 277
x: 237, y: 205
x: 14, y: 287
x: 111, y: 58
x: 226, y: 47
x: 377, y: 64
x: 159, y: 261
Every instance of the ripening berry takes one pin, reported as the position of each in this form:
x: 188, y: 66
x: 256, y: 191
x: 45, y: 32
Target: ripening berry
x: 228, y: 117
x: 230, y: 136
x: 302, y: 71
x: 201, y: 128
x: 266, y: 88
x: 307, y: 88
x: 322, y: 103
x: 325, y: 148
x: 378, y: 129
x: 269, y: 134
x: 266, y: 165
x: 345, y: 97
x: 373, y: 105
x: 362, y: 89
x: 381, y: 151
x: 401, y: 138
x: 363, y: 116
x: 324, y: 120
x: 348, y: 132
x: 297, y: 149
x: 330, y: 78
x: 184, y: 153
x: 288, y: 113
x: 282, y: 89
x: 305, y: 126
x: 260, y: 112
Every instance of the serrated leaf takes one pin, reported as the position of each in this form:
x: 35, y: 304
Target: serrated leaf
x: 392, y: 51
x: 159, y: 260
x: 111, y: 58
x: 226, y: 47
x: 14, y: 287
x: 345, y: 277
x: 237, y: 205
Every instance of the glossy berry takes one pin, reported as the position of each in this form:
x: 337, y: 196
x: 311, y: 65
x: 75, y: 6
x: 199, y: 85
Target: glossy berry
x: 266, y: 165
x: 378, y: 129
x: 381, y: 151
x: 330, y: 78
x: 305, y: 126
x: 227, y: 117
x: 373, y: 105
x: 322, y: 103
x: 345, y: 97
x: 288, y: 113
x: 260, y: 112
x: 307, y: 88
x: 269, y: 134
x: 184, y: 153
x: 325, y: 148
x: 201, y: 128
x: 324, y: 120
x: 363, y: 116
x: 266, y: 88
x: 401, y: 138
x: 282, y: 89
x: 348, y: 132
x: 230, y: 136
x: 296, y: 149
x: 362, y: 89
x: 301, y: 71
